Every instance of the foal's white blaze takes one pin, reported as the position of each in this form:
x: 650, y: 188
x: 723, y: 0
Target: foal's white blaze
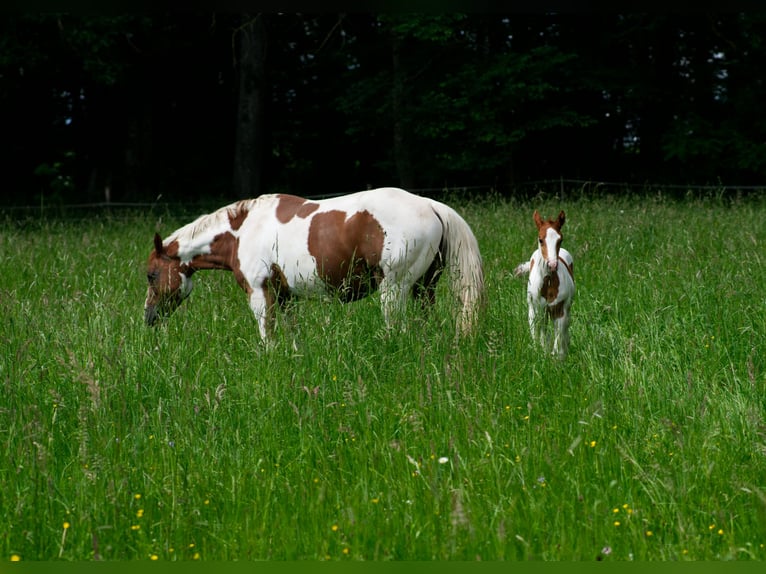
x: 550, y: 248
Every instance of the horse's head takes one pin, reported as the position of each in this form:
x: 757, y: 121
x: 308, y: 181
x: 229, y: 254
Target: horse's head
x: 169, y: 282
x: 549, y: 238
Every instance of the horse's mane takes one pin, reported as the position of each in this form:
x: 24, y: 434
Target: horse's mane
x: 213, y: 221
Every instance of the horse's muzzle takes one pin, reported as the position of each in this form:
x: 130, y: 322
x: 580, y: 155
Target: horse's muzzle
x: 150, y: 315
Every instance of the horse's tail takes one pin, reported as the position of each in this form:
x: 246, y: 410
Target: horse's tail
x: 460, y: 252
x: 521, y: 269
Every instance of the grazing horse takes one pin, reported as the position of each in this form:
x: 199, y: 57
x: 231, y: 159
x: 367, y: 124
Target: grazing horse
x: 551, y: 286
x: 279, y: 246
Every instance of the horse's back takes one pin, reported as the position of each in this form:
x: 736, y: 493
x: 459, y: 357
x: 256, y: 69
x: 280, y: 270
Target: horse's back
x: 406, y: 218
x: 388, y: 228
x: 566, y: 256
x: 388, y: 202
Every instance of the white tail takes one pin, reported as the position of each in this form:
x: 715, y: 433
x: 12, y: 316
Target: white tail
x: 461, y: 254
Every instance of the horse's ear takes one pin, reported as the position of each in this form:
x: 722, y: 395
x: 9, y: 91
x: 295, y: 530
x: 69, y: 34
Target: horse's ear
x: 158, y: 243
x: 562, y: 218
x: 538, y: 219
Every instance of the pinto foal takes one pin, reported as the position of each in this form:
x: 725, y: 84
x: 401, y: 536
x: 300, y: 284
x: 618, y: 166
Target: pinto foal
x: 551, y: 286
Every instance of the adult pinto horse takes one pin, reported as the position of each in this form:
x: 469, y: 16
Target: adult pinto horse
x: 279, y: 246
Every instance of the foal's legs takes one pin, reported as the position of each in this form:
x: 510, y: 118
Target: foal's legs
x: 561, y: 335
x: 537, y: 325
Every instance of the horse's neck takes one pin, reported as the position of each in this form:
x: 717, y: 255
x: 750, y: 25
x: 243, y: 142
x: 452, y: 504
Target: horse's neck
x: 539, y: 267
x: 196, y: 238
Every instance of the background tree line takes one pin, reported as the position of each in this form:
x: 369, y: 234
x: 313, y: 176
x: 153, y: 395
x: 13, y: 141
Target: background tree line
x: 231, y: 105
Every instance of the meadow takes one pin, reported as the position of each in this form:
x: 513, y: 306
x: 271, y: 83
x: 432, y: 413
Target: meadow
x: 191, y: 441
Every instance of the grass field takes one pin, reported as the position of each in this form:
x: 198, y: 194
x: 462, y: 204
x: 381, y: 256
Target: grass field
x: 191, y: 442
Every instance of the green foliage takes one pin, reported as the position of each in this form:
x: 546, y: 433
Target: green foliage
x: 433, y: 28
x: 102, y: 43
x: 191, y: 441
x: 462, y: 83
x: 46, y: 44
x: 423, y: 100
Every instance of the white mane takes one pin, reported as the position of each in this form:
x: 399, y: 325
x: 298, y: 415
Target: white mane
x: 196, y: 237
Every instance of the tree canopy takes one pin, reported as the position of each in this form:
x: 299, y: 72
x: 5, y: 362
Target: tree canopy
x: 189, y: 105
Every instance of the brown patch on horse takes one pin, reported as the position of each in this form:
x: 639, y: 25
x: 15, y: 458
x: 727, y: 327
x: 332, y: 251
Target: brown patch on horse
x: 275, y: 287
x: 290, y: 205
x: 171, y: 250
x: 550, y: 289
x: 568, y: 267
x: 276, y: 291
x: 163, y: 274
x: 542, y: 229
x: 224, y: 254
x: 347, y: 252
x: 161, y: 259
x: 556, y: 311
x: 238, y: 216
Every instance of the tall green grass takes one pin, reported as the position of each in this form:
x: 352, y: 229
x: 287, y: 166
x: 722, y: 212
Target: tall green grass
x: 191, y: 441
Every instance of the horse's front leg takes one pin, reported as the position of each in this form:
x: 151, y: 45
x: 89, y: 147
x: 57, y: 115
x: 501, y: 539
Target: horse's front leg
x: 561, y: 335
x: 263, y: 307
x: 536, y: 326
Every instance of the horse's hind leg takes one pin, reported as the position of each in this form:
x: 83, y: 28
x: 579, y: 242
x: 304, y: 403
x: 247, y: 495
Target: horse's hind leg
x: 393, y: 300
x: 424, y: 290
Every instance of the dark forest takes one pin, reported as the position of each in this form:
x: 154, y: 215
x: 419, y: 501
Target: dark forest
x: 207, y: 105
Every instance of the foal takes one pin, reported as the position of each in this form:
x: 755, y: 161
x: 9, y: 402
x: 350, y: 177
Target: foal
x: 551, y: 286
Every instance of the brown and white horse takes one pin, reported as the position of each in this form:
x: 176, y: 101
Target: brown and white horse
x: 551, y: 287
x: 280, y: 246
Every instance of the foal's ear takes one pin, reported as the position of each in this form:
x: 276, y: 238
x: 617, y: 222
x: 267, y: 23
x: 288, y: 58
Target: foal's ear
x: 562, y: 219
x: 158, y: 243
x: 538, y: 219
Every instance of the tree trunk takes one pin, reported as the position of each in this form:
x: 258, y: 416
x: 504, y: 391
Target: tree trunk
x: 401, y: 149
x: 250, y: 134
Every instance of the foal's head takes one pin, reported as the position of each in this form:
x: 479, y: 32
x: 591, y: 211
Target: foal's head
x: 549, y: 238
x: 169, y: 282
